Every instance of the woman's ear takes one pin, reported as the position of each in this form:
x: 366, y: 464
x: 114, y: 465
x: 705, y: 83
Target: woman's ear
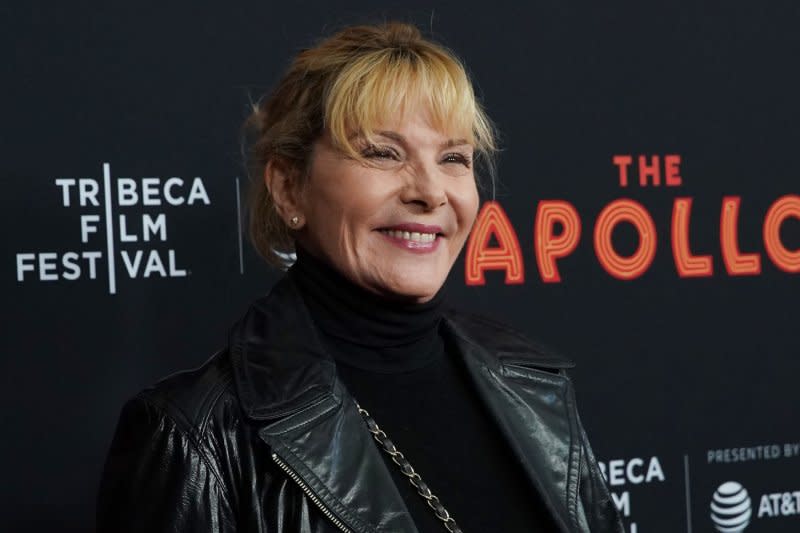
x: 284, y: 188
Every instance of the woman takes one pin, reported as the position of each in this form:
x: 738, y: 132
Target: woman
x: 367, y: 150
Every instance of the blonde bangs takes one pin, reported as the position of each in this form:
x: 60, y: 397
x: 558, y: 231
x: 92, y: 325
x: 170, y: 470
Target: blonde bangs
x: 390, y: 83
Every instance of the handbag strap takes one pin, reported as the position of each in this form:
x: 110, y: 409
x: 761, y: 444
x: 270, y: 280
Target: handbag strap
x: 413, y: 477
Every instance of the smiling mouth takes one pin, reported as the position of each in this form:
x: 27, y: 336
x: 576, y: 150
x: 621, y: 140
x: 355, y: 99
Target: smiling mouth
x: 413, y: 236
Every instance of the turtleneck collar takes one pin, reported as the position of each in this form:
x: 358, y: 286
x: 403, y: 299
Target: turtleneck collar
x: 362, y: 329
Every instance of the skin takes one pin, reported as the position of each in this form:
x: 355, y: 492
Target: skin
x: 414, y: 174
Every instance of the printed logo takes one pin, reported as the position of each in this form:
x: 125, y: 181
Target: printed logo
x: 121, y: 229
x: 730, y: 508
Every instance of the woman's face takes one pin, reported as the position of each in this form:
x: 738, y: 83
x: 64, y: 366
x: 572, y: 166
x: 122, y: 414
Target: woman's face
x: 396, y: 225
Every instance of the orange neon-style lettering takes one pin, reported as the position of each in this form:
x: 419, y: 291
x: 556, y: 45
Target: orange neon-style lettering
x: 507, y: 256
x: 736, y: 262
x: 620, y: 267
x: 688, y: 265
x: 781, y: 209
x: 549, y: 246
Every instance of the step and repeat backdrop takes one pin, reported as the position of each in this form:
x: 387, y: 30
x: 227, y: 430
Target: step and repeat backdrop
x: 646, y: 223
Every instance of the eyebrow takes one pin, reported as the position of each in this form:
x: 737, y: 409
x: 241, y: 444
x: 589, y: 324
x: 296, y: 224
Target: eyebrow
x: 399, y: 138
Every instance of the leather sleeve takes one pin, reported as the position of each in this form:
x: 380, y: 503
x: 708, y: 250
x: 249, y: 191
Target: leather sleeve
x: 599, y: 510
x: 158, y: 477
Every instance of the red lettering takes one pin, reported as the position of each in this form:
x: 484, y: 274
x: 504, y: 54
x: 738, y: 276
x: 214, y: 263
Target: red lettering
x: 622, y: 162
x: 783, y: 208
x: 507, y: 256
x: 550, y: 246
x: 651, y: 170
x: 736, y: 262
x: 625, y: 210
x: 688, y: 265
x: 672, y: 165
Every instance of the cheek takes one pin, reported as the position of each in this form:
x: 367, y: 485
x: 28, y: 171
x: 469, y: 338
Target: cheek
x: 344, y: 205
x: 466, y: 204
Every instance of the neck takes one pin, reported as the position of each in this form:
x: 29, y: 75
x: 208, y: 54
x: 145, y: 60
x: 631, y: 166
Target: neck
x: 363, y: 329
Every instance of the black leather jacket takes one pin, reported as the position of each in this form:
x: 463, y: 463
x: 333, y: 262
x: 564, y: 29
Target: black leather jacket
x: 264, y: 437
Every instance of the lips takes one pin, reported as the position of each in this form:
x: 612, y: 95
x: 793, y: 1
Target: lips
x: 420, y: 238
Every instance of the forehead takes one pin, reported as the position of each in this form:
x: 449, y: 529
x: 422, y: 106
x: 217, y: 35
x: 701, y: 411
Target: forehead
x: 417, y: 124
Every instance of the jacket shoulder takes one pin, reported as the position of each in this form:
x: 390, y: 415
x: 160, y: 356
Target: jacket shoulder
x: 190, y: 397
x: 508, y: 344
x: 168, y: 468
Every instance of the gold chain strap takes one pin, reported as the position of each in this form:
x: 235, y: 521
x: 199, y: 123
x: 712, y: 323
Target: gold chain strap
x: 408, y: 470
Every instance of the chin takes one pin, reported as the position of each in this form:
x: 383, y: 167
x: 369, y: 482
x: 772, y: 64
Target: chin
x: 419, y: 292
x: 408, y: 281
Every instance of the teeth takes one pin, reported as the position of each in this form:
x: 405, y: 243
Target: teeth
x: 410, y: 236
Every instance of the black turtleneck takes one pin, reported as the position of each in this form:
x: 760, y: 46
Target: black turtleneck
x: 393, y: 359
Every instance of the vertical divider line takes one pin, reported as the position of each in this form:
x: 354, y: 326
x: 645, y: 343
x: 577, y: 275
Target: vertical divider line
x: 688, y: 492
x: 239, y: 227
x: 112, y: 273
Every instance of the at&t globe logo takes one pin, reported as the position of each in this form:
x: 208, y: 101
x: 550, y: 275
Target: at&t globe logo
x: 730, y: 508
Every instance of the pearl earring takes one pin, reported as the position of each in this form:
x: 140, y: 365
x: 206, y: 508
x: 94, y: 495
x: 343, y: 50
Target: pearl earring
x: 295, y: 220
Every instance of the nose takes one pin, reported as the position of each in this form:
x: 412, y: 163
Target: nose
x: 425, y: 187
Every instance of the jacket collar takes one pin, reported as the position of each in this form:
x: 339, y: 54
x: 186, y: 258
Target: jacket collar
x: 286, y: 380
x: 278, y: 361
x: 280, y: 365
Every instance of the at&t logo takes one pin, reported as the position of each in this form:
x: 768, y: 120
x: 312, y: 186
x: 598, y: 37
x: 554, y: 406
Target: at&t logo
x: 730, y: 508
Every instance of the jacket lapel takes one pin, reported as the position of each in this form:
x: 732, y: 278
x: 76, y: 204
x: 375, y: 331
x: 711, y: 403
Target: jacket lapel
x: 533, y: 409
x: 286, y: 380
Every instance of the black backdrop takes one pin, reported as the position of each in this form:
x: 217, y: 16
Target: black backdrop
x: 687, y: 385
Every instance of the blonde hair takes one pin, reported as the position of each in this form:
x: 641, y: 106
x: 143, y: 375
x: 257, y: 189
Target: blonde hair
x: 345, y: 85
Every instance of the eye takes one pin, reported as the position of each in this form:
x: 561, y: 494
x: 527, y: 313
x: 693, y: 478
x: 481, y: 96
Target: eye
x: 380, y: 152
x: 458, y: 158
